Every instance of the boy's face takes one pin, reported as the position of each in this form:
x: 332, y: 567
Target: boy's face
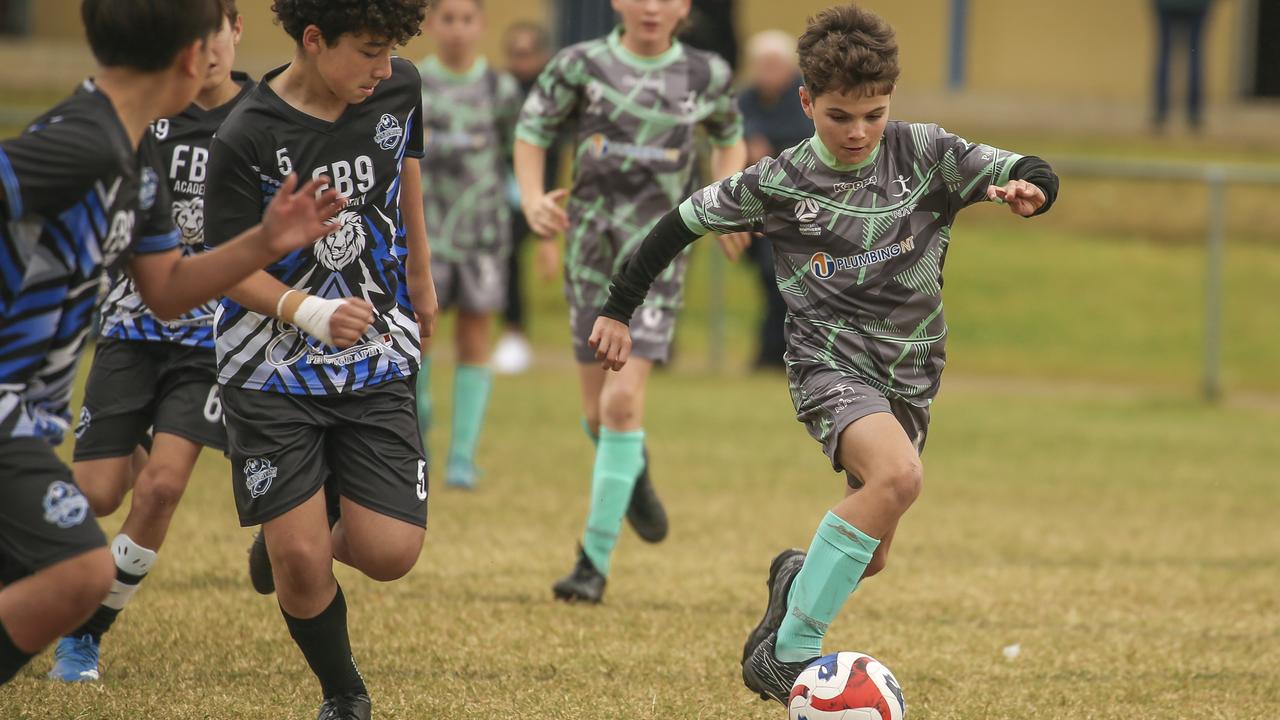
x: 222, y: 52
x: 187, y: 75
x: 849, y: 123
x: 456, y: 26
x: 352, y: 66
x: 651, y: 22
x: 525, y: 56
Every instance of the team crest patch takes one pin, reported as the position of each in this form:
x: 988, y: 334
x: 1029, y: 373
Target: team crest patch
x: 147, y: 191
x: 338, y: 249
x: 188, y: 215
x: 807, y: 210
x: 258, y: 474
x: 388, y: 132
x: 85, y: 418
x: 64, y: 505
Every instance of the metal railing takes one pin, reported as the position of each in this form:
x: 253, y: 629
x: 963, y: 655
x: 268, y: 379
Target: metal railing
x: 1216, y: 177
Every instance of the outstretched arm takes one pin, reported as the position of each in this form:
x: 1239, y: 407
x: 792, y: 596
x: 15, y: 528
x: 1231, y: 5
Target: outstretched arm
x: 422, y: 289
x: 171, y: 284
x: 1031, y: 190
x: 611, y: 337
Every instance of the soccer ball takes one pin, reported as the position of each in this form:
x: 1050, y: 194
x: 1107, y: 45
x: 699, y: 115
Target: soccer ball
x: 846, y: 686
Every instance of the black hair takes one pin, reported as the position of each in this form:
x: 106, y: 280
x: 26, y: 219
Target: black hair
x: 392, y: 20
x: 146, y: 35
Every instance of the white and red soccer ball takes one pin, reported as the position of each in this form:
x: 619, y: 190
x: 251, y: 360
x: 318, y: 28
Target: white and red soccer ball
x: 846, y: 686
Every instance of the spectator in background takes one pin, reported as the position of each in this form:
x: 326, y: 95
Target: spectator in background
x: 528, y: 49
x: 581, y: 20
x: 1180, y: 20
x: 711, y: 27
x: 773, y: 121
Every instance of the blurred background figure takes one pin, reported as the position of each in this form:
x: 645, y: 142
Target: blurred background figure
x: 527, y: 48
x: 1180, y: 22
x: 581, y: 20
x: 773, y: 121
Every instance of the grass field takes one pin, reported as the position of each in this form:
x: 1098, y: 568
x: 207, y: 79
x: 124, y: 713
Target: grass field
x: 1125, y: 540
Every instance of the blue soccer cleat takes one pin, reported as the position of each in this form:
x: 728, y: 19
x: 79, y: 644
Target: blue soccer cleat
x: 76, y: 659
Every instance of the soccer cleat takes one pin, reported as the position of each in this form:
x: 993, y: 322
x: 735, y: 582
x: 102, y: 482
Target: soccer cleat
x: 460, y: 475
x: 584, y: 584
x: 782, y: 571
x: 75, y: 659
x: 353, y: 706
x: 645, y: 513
x: 765, y: 674
x: 512, y: 355
x: 260, y: 566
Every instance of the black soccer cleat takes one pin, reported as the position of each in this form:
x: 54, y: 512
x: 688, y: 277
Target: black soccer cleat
x: 645, y: 513
x: 584, y: 584
x: 260, y: 566
x: 765, y: 674
x: 353, y: 706
x: 782, y: 571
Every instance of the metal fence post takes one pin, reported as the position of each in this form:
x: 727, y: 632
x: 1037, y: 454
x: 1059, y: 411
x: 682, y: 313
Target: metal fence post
x: 716, y: 310
x: 1216, y: 177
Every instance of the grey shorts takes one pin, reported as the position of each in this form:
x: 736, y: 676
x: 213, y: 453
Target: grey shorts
x: 652, y: 330
x: 827, y: 401
x: 477, y: 283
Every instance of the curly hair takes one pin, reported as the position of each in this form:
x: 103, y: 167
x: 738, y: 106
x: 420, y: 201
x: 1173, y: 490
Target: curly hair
x: 393, y: 20
x: 846, y: 48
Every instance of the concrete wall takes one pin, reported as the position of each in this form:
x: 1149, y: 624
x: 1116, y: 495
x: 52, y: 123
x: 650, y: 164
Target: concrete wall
x: 1091, y: 49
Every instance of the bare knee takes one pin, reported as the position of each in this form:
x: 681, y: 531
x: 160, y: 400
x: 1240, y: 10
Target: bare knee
x: 901, y: 483
x: 161, y: 486
x: 619, y: 406
x: 388, y: 561
x: 300, y: 565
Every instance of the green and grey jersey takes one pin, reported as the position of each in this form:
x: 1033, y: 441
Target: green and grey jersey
x: 859, y: 250
x: 634, y: 120
x: 469, y: 120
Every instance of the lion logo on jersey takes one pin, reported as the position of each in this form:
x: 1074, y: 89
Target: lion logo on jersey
x: 338, y: 249
x: 188, y: 215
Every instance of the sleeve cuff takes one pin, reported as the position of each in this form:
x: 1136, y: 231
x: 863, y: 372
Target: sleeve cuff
x: 12, y: 192
x: 690, y: 218
x: 156, y: 243
x: 533, y: 137
x: 1007, y: 169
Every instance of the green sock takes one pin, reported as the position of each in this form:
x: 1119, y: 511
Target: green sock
x: 424, y: 396
x: 470, y: 397
x: 837, y: 558
x: 619, y: 457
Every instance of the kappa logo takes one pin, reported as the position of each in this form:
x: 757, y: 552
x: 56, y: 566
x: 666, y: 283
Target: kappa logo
x: 338, y: 249
x: 388, y: 132
x: 85, y: 418
x: 690, y: 103
x: 64, y: 505
x: 822, y: 265
x: 147, y: 191
x: 258, y: 474
x: 188, y: 215
x: 901, y: 182
x: 807, y: 210
x: 422, y: 480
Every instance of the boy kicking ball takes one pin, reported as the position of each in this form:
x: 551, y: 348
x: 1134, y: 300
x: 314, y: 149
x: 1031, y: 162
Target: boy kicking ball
x: 860, y: 216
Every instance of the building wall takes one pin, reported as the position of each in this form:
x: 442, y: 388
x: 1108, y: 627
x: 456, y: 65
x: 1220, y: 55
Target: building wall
x: 1094, y: 49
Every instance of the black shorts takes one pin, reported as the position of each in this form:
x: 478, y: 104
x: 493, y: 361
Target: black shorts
x: 284, y: 447
x: 138, y: 386
x: 44, y: 519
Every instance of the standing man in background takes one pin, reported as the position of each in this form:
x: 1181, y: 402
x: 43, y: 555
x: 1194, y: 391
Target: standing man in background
x: 773, y: 121
x: 1185, y: 19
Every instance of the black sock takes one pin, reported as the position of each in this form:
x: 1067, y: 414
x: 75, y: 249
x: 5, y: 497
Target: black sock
x: 102, y: 618
x: 12, y: 658
x: 325, y: 644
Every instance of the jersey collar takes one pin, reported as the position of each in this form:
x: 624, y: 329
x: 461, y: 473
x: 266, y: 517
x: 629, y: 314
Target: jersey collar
x: 642, y: 62
x: 828, y: 158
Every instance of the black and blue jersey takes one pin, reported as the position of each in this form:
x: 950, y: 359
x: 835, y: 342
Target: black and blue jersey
x: 263, y: 141
x: 78, y: 199
x: 182, y: 143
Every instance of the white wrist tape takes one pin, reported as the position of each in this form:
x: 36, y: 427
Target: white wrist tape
x: 313, y: 315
